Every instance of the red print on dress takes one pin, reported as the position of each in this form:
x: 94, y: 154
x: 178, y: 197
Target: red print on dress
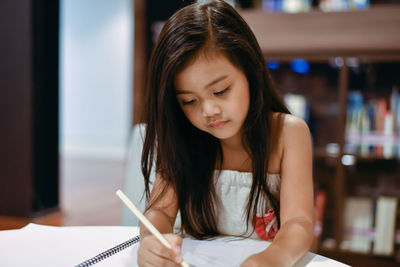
x: 267, y: 226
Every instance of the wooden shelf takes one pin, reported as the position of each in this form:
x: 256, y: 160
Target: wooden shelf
x: 321, y: 153
x: 373, y: 158
x: 372, y: 34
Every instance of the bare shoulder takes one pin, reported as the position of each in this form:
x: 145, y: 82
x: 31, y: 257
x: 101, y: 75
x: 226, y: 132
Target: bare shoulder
x: 295, y: 132
x: 293, y: 123
x: 287, y: 122
x: 291, y: 128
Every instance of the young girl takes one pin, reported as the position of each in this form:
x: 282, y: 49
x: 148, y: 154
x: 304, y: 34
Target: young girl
x: 230, y: 159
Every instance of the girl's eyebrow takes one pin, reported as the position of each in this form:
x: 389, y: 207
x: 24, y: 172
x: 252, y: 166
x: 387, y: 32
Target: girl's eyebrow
x: 178, y: 92
x: 216, y: 80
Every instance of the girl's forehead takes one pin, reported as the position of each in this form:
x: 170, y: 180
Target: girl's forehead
x: 205, y: 56
x: 205, y: 66
x: 212, y: 61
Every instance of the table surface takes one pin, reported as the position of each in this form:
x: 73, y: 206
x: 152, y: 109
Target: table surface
x: 39, y: 245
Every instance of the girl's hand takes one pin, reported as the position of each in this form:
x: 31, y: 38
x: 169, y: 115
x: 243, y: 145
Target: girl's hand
x: 264, y: 259
x: 153, y: 253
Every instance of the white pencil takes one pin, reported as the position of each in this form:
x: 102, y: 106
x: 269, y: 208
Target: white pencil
x: 146, y: 222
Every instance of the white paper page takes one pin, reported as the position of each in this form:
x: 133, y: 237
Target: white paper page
x: 37, y: 245
x: 219, y: 253
x: 227, y: 254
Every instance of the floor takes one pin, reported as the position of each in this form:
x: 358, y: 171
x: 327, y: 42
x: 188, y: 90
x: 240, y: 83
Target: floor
x: 87, y: 195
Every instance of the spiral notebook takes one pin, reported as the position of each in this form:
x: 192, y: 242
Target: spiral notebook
x: 109, y: 252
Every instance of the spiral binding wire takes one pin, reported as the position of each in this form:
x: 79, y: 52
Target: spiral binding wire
x: 109, y: 252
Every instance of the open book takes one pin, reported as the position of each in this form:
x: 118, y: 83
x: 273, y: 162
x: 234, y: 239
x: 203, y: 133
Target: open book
x: 38, y: 245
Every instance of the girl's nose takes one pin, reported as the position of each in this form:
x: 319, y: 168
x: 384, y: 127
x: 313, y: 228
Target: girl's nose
x: 210, y: 109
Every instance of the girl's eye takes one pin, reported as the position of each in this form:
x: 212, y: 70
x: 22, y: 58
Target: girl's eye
x: 222, y: 91
x: 188, y: 102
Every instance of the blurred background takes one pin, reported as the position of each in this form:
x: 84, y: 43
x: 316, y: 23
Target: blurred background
x: 72, y: 82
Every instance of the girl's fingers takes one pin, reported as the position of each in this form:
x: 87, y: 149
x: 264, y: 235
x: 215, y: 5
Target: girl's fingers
x: 176, y: 244
x: 152, y: 251
x: 159, y: 249
x: 151, y: 259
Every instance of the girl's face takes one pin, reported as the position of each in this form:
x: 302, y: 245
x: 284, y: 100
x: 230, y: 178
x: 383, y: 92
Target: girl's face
x: 214, y: 95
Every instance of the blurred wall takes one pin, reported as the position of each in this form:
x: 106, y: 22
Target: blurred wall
x: 96, y: 59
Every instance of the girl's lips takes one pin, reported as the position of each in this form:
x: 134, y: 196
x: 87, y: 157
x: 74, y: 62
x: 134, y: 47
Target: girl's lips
x: 217, y: 124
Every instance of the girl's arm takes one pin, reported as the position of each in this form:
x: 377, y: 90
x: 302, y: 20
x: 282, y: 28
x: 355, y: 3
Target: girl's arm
x: 295, y: 236
x: 161, y: 214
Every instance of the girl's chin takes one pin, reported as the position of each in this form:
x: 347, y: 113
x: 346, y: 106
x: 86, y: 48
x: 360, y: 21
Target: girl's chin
x: 222, y: 135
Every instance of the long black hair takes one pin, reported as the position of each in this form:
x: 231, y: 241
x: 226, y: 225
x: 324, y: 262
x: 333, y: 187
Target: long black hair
x: 186, y: 157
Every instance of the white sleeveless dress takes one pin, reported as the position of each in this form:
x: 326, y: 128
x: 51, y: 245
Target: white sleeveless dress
x: 232, y: 189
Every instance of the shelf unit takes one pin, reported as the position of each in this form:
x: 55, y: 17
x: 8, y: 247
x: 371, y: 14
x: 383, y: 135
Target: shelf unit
x: 371, y: 35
